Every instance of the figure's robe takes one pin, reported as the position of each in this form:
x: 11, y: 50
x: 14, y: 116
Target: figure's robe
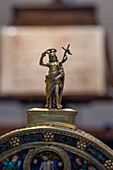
x: 51, y: 83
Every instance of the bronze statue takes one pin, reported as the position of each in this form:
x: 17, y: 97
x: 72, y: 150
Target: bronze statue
x: 55, y: 77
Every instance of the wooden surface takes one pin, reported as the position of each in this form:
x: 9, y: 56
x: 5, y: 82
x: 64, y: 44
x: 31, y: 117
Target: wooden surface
x: 53, y: 15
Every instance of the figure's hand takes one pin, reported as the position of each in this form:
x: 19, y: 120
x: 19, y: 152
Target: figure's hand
x: 56, y: 79
x: 44, y: 54
x: 19, y: 163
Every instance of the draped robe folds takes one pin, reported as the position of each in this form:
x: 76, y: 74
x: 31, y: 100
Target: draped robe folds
x: 51, y: 85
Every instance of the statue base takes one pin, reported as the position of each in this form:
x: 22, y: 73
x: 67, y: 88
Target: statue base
x: 51, y: 117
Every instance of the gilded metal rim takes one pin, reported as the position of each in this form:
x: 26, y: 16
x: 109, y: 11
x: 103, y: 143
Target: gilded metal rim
x: 52, y: 124
x: 70, y: 132
x: 79, y: 135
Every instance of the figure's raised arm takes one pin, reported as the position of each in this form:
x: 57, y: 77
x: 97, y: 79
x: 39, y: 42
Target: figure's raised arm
x: 41, y: 60
x: 65, y: 52
x: 63, y: 60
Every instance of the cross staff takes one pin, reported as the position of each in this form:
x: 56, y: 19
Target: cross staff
x: 66, y: 51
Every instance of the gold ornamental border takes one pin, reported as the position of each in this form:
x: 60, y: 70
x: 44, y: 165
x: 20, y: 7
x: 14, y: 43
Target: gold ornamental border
x: 81, y: 135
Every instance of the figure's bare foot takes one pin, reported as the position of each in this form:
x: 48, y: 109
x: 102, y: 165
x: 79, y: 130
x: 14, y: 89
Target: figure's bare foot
x: 49, y: 107
x: 59, y: 106
x: 46, y: 105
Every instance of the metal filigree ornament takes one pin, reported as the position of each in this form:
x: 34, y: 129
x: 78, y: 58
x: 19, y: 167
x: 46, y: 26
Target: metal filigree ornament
x: 81, y: 145
x: 48, y: 137
x: 15, y: 141
x: 109, y: 164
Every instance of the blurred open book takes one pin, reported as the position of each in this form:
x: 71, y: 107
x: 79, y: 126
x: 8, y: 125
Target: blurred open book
x: 21, y: 48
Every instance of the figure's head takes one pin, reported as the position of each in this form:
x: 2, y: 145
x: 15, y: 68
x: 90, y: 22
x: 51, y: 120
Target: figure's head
x: 35, y: 161
x: 45, y: 156
x: 14, y: 157
x: 52, y: 57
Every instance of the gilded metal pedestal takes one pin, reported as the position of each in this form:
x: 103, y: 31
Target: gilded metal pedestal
x: 51, y: 117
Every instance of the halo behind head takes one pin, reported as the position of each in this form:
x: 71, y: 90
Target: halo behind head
x: 51, y: 50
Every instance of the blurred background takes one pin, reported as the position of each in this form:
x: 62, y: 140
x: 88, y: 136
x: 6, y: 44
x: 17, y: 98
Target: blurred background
x: 88, y: 26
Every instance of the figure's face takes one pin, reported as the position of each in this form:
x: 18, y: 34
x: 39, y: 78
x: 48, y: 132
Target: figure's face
x: 60, y: 164
x: 35, y: 161
x: 14, y: 159
x: 53, y: 57
x: 45, y: 158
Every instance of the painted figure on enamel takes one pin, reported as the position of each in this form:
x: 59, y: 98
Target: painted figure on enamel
x: 55, y: 77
